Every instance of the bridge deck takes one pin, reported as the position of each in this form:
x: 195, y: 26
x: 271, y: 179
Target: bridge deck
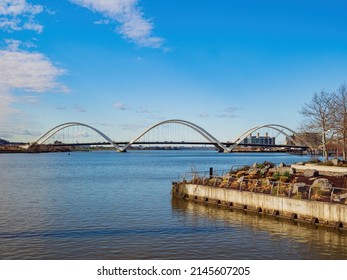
x: 228, y: 144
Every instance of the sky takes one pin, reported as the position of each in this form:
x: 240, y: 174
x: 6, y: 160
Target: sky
x: 123, y: 65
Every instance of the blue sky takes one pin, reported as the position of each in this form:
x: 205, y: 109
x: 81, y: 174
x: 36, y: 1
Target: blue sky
x: 123, y: 65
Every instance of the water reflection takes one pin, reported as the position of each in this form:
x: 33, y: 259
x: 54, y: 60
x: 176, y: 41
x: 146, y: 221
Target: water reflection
x: 108, y: 205
x: 267, y: 237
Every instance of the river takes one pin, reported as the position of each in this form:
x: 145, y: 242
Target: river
x: 108, y: 205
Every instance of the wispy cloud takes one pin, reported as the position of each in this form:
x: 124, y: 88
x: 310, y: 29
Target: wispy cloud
x: 127, y: 13
x: 103, y: 21
x: 25, y: 71
x: 5, y: 105
x: 80, y: 109
x: 104, y: 124
x: 84, y: 134
x: 203, y: 115
x: 121, y: 106
x: 133, y: 127
x: 29, y: 99
x: 231, y: 109
x: 9, y: 131
x: 229, y: 112
x: 30, y: 71
x: 61, y: 108
x: 225, y: 115
x: 16, y: 15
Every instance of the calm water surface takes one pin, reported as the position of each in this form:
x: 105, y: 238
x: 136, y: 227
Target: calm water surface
x: 107, y: 205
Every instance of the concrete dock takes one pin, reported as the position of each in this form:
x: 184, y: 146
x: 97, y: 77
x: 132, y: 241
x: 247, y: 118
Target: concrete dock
x: 314, y: 212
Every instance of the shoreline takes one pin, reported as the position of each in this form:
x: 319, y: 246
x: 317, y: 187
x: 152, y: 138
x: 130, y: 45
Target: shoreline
x: 309, y: 197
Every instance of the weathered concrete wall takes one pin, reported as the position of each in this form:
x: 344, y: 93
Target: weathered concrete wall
x: 333, y: 169
x: 325, y: 212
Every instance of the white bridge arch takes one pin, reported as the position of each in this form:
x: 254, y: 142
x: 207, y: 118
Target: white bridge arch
x: 224, y: 147
x: 277, y: 127
x: 44, y: 137
x: 211, y: 139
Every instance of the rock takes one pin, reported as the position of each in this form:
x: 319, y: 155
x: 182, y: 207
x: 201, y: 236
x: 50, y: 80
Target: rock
x: 300, y: 163
x: 266, y: 182
x: 286, y: 169
x: 272, y: 170
x: 264, y: 170
x: 299, y: 187
x: 311, y: 173
x: 253, y: 171
x: 335, y: 161
x: 255, y: 165
x: 241, y: 173
x: 240, y: 180
x: 281, y: 165
x: 322, y: 183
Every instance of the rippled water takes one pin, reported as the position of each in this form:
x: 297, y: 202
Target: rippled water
x: 107, y: 205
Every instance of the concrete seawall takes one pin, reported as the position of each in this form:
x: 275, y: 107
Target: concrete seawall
x: 320, y: 168
x: 322, y: 213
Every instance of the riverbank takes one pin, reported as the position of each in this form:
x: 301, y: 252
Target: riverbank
x: 302, y: 194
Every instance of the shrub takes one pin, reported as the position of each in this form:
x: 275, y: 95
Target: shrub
x: 276, y: 176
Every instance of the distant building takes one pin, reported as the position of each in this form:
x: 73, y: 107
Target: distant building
x: 260, y: 140
x: 314, y: 139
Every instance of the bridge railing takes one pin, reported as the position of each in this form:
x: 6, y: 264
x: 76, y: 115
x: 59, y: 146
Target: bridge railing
x: 228, y: 179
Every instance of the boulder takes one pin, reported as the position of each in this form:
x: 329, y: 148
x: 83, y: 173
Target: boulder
x: 253, y: 171
x: 241, y: 173
x: 300, y: 163
x: 272, y: 170
x: 311, y: 173
x: 264, y: 170
x: 299, y: 187
x: 266, y: 182
x: 286, y: 169
x: 281, y: 165
x: 335, y: 161
x: 240, y: 180
x: 322, y: 184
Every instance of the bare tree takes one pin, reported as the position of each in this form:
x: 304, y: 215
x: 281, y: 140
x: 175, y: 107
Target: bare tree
x: 318, y: 116
x: 340, y: 117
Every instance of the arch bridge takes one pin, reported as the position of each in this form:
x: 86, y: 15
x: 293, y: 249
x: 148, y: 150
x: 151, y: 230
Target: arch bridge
x: 225, y: 147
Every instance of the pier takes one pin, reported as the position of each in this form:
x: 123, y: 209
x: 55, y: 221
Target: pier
x: 314, y: 200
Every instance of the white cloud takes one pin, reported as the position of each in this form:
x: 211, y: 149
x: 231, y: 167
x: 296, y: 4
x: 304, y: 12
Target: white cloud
x: 121, y: 106
x: 84, y: 134
x: 103, y: 21
x: 133, y: 127
x: 203, y: 115
x: 18, y: 15
x: 6, y: 99
x: 229, y: 112
x: 25, y: 71
x: 79, y: 109
x: 127, y: 13
x: 28, y: 71
x: 231, y: 109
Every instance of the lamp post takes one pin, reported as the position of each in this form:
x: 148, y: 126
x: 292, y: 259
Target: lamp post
x: 324, y: 146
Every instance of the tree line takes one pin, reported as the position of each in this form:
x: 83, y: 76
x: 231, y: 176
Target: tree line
x: 326, y: 113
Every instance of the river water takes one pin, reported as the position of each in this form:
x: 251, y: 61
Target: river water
x: 108, y: 205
